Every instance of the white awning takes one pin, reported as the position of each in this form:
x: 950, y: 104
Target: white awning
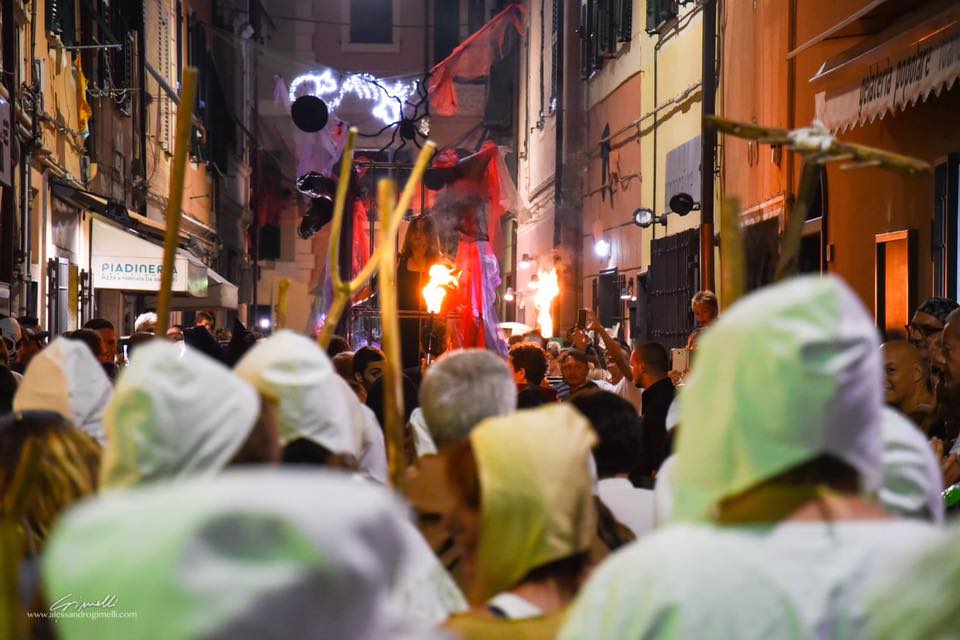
x: 893, y: 70
x: 122, y: 259
x: 221, y: 294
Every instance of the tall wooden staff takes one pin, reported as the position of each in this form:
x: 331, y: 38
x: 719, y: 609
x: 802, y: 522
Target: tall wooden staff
x: 344, y: 291
x: 384, y: 259
x: 188, y: 98
x: 817, y: 147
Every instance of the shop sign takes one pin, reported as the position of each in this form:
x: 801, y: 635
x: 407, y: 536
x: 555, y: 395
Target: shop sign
x: 136, y: 274
x: 896, y: 83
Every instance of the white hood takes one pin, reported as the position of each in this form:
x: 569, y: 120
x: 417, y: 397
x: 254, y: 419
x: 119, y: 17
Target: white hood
x: 789, y: 373
x: 175, y: 413
x: 292, y: 370
x: 912, y: 482
x: 65, y: 377
x: 247, y: 554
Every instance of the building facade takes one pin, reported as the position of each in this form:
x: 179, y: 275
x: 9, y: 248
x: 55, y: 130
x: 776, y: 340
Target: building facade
x: 627, y: 97
x: 328, y: 43
x: 878, y: 74
x: 95, y: 98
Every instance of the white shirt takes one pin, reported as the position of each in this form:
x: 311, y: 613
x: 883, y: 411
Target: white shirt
x: 663, y: 491
x: 625, y: 389
x: 373, y: 450
x: 422, y: 439
x: 791, y: 580
x: 514, y: 607
x: 631, y: 506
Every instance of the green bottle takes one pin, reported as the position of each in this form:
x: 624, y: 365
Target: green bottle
x: 951, y: 496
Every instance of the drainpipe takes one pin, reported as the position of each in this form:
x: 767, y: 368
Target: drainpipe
x: 558, y: 114
x: 709, y: 144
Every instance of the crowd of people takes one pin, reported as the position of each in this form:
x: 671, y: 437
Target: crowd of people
x: 781, y: 481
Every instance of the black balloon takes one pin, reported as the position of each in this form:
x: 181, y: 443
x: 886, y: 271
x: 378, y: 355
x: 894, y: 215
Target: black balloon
x: 309, y: 113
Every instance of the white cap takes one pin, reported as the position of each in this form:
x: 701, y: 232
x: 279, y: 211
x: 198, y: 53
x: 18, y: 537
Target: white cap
x: 174, y: 413
x: 250, y: 553
x: 789, y: 373
x: 65, y: 377
x: 912, y: 482
x: 292, y: 370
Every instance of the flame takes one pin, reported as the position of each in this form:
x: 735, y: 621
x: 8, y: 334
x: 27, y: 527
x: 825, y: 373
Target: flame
x: 547, y: 288
x: 442, y: 278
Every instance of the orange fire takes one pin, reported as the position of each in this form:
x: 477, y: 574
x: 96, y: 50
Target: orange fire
x: 442, y: 279
x: 547, y: 288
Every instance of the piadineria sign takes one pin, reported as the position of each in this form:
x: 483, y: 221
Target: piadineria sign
x: 896, y: 82
x: 121, y: 260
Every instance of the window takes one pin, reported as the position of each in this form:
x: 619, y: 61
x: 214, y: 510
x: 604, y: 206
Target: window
x: 660, y: 12
x: 162, y: 58
x: 605, y: 25
x: 446, y: 29
x: 61, y: 20
x: 371, y: 21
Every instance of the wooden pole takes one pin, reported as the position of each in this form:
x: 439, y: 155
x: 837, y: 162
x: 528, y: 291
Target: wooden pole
x: 733, y: 268
x: 390, y: 326
x: 789, y: 260
x: 343, y: 291
x: 178, y: 167
x: 283, y: 291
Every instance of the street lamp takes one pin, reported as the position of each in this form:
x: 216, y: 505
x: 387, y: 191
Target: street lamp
x: 644, y: 217
x: 508, y: 295
x: 602, y: 248
x: 683, y: 203
x: 525, y: 262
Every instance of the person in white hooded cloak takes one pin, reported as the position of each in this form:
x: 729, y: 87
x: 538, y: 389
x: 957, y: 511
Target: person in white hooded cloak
x: 65, y: 377
x: 777, y: 533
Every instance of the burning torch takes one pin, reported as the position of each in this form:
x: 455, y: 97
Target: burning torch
x: 442, y: 279
x: 547, y: 288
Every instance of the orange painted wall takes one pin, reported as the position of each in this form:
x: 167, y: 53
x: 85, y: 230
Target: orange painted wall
x: 862, y: 203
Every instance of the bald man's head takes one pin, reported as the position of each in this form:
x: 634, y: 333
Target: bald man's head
x: 905, y: 374
x: 951, y: 348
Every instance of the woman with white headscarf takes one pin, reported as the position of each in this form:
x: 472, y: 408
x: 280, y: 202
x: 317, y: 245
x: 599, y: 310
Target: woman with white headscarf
x: 778, y: 534
x: 320, y: 424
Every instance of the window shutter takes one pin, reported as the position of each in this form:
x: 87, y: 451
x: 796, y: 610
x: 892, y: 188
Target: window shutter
x: 606, y: 46
x: 586, y: 64
x: 623, y: 15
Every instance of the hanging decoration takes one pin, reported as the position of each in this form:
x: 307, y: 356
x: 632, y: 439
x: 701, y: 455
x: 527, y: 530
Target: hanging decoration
x: 473, y: 58
x: 388, y: 98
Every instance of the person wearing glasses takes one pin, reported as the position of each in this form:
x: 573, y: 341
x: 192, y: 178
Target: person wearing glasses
x: 927, y: 324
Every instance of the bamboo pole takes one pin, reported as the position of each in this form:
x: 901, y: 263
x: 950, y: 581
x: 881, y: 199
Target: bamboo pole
x: 188, y: 98
x: 793, y: 234
x: 283, y: 291
x: 733, y: 272
x: 344, y: 291
x: 390, y: 324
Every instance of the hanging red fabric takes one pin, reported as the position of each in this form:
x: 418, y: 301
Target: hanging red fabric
x: 472, y: 59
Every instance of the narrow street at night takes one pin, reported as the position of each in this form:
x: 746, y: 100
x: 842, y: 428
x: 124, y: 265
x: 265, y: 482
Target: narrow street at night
x: 479, y: 319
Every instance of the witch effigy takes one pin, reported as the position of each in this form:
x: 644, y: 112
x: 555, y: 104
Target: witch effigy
x: 472, y: 194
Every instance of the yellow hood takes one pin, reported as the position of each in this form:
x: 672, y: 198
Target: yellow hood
x: 536, y: 493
